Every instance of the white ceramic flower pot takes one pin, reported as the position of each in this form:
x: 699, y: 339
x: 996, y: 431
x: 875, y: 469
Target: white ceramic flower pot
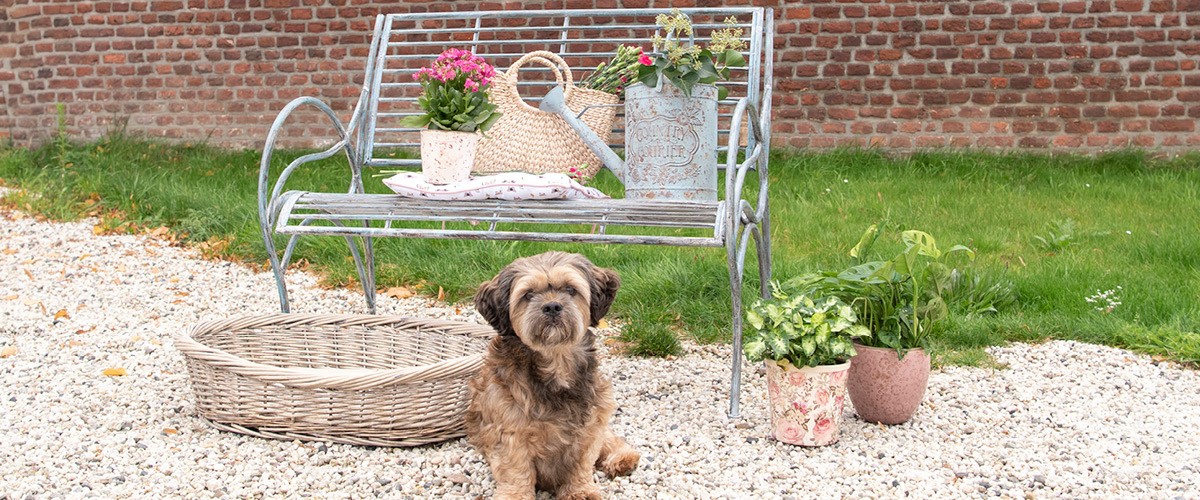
x: 806, y: 403
x: 447, y: 156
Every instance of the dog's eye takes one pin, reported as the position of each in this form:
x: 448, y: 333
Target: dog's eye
x: 569, y: 291
x: 529, y: 296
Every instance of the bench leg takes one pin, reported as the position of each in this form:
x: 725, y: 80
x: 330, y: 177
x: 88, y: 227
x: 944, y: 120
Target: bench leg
x: 735, y: 288
x: 277, y: 268
x: 737, y: 263
x: 364, y: 263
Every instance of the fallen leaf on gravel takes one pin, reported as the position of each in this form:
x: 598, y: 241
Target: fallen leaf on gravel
x: 74, y: 343
x: 398, y: 292
x: 11, y: 297
x: 115, y: 372
x: 602, y: 324
x: 82, y: 331
x: 170, y: 432
x: 27, y: 273
x: 9, y: 251
x: 8, y: 351
x: 441, y: 294
x: 62, y: 313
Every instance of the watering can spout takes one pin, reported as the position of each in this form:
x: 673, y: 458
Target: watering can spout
x: 555, y: 102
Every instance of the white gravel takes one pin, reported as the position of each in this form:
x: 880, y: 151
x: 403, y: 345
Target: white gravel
x: 1064, y: 420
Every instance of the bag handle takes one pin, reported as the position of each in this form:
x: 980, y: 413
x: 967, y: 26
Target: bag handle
x: 562, y: 72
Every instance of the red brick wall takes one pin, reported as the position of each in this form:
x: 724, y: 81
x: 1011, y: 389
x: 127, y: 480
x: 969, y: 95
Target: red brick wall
x: 1067, y: 75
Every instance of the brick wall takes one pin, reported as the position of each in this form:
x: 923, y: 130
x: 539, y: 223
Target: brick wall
x: 1066, y: 75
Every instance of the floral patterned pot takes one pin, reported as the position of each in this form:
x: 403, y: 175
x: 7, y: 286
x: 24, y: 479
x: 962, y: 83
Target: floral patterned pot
x: 806, y: 403
x: 884, y: 388
x: 447, y: 156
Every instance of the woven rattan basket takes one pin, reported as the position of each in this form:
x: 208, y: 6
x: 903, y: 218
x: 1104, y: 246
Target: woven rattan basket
x: 527, y: 139
x: 354, y: 379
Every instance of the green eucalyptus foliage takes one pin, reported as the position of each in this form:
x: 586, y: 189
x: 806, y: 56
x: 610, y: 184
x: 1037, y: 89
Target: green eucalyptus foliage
x: 448, y: 107
x: 802, y: 330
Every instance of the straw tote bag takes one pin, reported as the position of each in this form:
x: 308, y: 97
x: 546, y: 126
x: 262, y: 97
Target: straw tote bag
x: 527, y: 139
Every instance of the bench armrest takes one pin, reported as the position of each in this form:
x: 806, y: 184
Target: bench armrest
x: 750, y: 215
x: 267, y: 199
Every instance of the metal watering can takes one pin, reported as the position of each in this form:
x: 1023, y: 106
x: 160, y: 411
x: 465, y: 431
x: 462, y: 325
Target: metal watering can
x: 670, y: 141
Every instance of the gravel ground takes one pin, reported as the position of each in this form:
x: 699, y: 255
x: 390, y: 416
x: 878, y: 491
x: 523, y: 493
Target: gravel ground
x: 1064, y: 420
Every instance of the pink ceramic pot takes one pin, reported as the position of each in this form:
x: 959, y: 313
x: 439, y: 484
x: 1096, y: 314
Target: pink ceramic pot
x: 885, y: 389
x: 806, y: 403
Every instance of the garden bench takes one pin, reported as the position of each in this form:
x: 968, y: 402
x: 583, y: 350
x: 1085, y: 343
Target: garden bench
x: 402, y: 43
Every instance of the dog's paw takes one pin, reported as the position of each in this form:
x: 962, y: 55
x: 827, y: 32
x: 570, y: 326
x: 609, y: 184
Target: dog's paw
x: 620, y: 463
x: 589, y: 493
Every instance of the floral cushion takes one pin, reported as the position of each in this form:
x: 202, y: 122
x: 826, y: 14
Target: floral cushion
x: 505, y: 186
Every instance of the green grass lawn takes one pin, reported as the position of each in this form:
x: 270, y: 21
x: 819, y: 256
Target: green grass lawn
x: 1121, y: 219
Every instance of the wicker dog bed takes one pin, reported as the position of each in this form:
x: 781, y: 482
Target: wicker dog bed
x: 354, y: 379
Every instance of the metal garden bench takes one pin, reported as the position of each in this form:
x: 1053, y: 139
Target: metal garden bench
x: 403, y: 43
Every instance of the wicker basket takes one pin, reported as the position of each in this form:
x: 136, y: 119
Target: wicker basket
x: 527, y: 139
x: 354, y: 379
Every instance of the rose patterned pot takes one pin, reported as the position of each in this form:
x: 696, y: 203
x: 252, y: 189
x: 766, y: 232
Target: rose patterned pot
x: 806, y: 403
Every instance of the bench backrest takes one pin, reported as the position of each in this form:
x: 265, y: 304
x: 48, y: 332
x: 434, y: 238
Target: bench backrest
x: 404, y: 43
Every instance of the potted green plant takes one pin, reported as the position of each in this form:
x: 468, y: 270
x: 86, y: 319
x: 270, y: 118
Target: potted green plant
x: 455, y: 109
x: 806, y: 344
x: 900, y: 300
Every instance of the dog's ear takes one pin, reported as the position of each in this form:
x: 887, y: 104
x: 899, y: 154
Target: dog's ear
x: 492, y: 301
x: 604, y: 284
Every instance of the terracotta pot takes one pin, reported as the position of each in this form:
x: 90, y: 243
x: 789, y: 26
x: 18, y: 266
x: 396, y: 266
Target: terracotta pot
x: 884, y: 388
x: 806, y: 403
x: 447, y: 156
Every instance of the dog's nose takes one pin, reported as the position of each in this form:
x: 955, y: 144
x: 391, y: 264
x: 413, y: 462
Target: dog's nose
x: 551, y: 309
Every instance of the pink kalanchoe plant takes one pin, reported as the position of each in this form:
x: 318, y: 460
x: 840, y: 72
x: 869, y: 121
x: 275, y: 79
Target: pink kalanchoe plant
x: 455, y: 94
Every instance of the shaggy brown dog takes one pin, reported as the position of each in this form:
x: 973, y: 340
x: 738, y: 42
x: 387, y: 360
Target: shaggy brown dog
x: 539, y: 408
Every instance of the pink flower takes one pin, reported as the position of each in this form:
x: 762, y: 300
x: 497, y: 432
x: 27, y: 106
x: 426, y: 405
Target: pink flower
x: 789, y: 432
x: 800, y: 407
x: 823, y: 426
x: 645, y: 60
x: 836, y: 377
x: 458, y: 67
x: 796, y: 378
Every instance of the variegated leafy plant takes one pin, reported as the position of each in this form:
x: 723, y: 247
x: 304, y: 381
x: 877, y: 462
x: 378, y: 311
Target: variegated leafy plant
x: 804, y: 330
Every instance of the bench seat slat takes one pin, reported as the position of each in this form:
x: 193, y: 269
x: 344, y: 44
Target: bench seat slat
x: 591, y: 218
